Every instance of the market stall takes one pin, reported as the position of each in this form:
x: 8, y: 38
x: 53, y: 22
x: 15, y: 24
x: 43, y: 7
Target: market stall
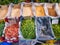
x: 30, y: 23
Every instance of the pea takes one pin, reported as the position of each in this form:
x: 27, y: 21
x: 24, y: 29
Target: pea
x: 28, y: 28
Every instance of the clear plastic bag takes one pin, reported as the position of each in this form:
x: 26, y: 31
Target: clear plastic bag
x: 24, y: 42
x: 11, y: 30
x: 27, y: 27
x: 44, y: 30
x: 27, y: 42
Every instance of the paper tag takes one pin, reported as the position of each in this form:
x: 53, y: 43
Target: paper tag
x: 55, y: 21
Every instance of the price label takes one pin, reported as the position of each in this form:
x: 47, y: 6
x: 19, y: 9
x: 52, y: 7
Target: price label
x: 55, y: 21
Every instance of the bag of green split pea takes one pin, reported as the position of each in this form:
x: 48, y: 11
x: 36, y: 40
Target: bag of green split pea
x: 56, y: 29
x: 28, y: 27
x: 2, y: 25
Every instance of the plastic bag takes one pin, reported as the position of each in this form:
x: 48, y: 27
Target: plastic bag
x: 44, y: 30
x: 23, y: 42
x: 56, y: 30
x: 3, y: 11
x: 11, y: 30
x: 2, y: 25
x: 27, y: 9
x: 39, y: 9
x: 27, y: 42
x: 15, y: 10
x: 27, y: 27
x: 51, y: 10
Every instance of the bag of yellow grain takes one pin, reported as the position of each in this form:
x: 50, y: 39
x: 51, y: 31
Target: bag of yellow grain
x: 3, y: 11
x: 27, y: 9
x: 15, y: 10
x: 39, y: 10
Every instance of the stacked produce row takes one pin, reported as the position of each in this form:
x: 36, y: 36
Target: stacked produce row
x: 29, y: 22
